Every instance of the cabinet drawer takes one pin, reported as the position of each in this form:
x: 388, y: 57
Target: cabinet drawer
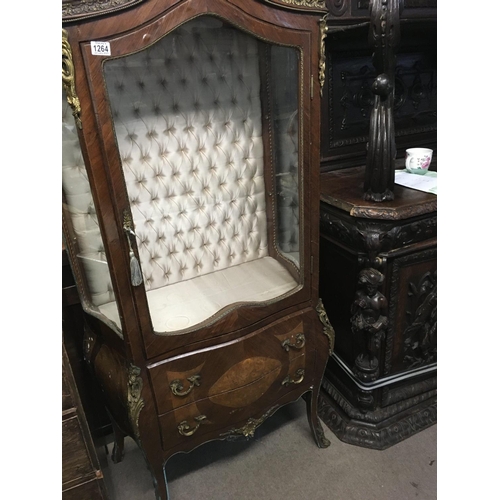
x: 251, y: 360
x: 218, y: 411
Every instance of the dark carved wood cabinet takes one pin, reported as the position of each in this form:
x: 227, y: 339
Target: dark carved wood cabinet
x: 379, y: 285
x: 378, y: 267
x: 190, y: 213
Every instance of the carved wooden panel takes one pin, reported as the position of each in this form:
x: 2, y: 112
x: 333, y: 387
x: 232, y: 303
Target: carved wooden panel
x: 412, y: 335
x: 349, y: 99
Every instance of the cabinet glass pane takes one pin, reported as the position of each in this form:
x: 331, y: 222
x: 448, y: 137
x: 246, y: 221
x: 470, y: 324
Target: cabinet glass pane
x: 209, y: 145
x: 284, y: 61
x: 82, y: 235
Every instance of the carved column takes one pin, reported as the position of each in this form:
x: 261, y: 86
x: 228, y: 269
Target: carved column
x: 369, y: 320
x: 384, y: 37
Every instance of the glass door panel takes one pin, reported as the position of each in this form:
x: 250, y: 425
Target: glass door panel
x: 82, y: 233
x: 210, y: 152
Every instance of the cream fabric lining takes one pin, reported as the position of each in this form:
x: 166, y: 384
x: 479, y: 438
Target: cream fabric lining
x: 187, y: 115
x: 190, y: 302
x: 187, y: 118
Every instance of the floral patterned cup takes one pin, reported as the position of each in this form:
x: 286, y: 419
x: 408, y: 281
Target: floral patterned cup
x: 418, y: 160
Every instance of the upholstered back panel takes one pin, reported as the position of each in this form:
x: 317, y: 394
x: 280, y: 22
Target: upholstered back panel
x: 188, y: 123
x: 80, y: 205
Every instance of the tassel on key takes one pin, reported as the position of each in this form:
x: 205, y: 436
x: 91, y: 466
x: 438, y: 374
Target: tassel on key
x: 135, y: 268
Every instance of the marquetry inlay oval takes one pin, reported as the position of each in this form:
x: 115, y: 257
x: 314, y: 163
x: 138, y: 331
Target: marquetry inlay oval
x: 245, y: 382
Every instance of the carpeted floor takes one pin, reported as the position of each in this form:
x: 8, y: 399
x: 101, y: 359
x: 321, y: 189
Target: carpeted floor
x: 282, y: 462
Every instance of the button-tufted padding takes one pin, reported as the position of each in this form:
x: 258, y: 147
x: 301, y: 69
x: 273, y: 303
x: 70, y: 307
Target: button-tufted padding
x: 188, y: 124
x: 80, y: 206
x: 189, y: 129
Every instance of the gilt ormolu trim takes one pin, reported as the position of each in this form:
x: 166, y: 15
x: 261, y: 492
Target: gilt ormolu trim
x: 248, y: 430
x: 307, y: 4
x: 68, y: 79
x: 135, y: 402
x: 81, y: 9
x: 323, y: 30
x: 328, y: 328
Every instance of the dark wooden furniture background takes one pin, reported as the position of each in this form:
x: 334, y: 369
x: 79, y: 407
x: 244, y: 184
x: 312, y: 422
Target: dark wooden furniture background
x: 73, y: 337
x: 221, y: 378
x: 82, y: 478
x: 380, y: 384
x: 380, y: 387
x: 348, y: 96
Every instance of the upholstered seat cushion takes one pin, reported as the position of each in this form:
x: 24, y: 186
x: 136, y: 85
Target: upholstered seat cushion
x: 188, y: 303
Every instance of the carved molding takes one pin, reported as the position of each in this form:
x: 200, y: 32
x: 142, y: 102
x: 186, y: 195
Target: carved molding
x: 337, y: 8
x: 380, y: 438
x: 308, y: 4
x: 375, y: 237
x: 75, y: 9
x: 391, y: 396
x: 375, y: 416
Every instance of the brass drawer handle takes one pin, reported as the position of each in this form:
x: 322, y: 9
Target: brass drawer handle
x: 184, y: 428
x: 299, y: 377
x: 177, y: 387
x: 299, y: 342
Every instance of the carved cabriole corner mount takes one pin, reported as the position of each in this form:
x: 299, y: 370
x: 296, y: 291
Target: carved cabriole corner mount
x: 327, y: 326
x: 68, y: 78
x: 135, y: 402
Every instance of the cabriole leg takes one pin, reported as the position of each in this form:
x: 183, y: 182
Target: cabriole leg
x: 311, y: 399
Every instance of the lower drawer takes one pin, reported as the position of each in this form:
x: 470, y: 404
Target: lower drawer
x: 221, y: 410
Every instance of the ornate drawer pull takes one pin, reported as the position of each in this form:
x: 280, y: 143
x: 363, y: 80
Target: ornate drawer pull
x: 177, y: 386
x: 299, y: 342
x: 184, y: 428
x: 299, y: 375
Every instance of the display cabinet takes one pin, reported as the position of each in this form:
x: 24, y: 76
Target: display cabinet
x: 191, y: 213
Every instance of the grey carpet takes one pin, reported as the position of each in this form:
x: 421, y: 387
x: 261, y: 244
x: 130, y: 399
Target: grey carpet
x: 282, y: 462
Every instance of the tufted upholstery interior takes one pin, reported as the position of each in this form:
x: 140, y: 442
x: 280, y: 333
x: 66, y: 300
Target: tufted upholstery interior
x: 188, y: 123
x: 79, y: 204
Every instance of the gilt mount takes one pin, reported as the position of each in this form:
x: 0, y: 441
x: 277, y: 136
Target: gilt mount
x: 68, y: 79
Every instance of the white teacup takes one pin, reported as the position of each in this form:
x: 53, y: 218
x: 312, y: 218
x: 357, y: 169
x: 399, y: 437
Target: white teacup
x: 418, y: 160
